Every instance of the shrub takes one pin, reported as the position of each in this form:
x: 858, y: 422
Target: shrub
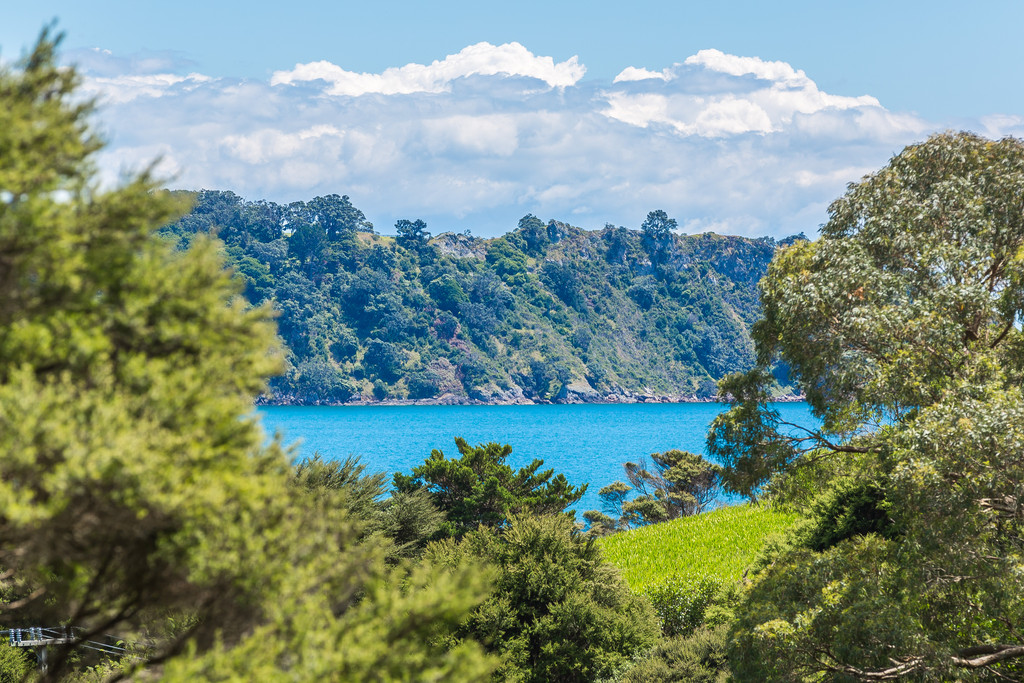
x: 682, y: 601
x: 697, y: 658
x: 847, y: 509
x: 15, y: 663
x: 557, y: 611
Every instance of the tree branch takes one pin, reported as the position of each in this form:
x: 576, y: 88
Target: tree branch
x: 900, y: 669
x: 1002, y: 335
x: 986, y: 655
x: 817, y: 436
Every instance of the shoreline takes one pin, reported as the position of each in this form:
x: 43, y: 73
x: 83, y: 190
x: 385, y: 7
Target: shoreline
x: 458, y: 400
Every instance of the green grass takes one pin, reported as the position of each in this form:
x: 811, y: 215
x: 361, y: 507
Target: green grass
x: 721, y: 543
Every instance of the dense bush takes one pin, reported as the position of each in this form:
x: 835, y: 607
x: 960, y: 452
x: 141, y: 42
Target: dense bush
x: 15, y: 663
x: 844, y: 510
x: 700, y: 657
x: 558, y: 611
x: 682, y: 601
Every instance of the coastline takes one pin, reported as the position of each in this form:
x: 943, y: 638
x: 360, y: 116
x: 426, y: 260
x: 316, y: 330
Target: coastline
x: 517, y: 400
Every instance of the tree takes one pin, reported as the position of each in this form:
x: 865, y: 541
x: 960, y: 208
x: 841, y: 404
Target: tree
x: 901, y: 326
x: 680, y: 483
x: 412, y: 234
x: 675, y: 484
x: 383, y: 358
x: 308, y: 244
x: 557, y: 611
x: 564, y: 282
x: 335, y: 215
x: 447, y: 292
x: 508, y: 261
x: 534, y: 233
x: 262, y: 220
x: 657, y: 232
x: 139, y: 496
x: 478, y: 488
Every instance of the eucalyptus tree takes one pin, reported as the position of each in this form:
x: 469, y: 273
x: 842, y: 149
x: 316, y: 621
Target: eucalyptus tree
x: 901, y: 325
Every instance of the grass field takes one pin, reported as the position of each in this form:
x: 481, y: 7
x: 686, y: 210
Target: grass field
x: 721, y: 543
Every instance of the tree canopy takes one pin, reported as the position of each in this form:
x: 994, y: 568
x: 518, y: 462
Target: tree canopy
x: 672, y: 485
x: 557, y: 611
x: 902, y: 326
x: 479, y: 488
x: 548, y: 312
x: 138, y: 494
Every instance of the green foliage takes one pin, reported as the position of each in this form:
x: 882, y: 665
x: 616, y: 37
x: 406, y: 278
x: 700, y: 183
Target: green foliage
x: 657, y: 231
x: 399, y: 630
x: 682, y: 601
x: 335, y: 215
x: 344, y: 480
x: 721, y: 543
x: 901, y: 324
x: 308, y: 243
x: 479, y: 488
x: 412, y: 234
x: 447, y: 292
x: 318, y: 381
x: 557, y: 612
x: 410, y: 520
x: 534, y: 233
x: 16, y: 663
x: 508, y: 261
x: 847, y: 509
x: 747, y: 439
x: 701, y: 657
x: 383, y: 358
x: 139, y: 495
x: 587, y: 308
x: 675, y: 484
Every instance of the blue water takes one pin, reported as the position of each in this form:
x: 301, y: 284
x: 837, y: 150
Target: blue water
x: 586, y: 443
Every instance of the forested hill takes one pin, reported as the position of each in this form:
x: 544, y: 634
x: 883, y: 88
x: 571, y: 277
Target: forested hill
x: 547, y: 312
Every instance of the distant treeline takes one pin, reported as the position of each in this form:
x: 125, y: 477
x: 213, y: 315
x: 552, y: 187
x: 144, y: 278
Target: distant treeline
x: 547, y: 312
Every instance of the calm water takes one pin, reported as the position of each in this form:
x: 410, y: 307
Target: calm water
x: 587, y: 443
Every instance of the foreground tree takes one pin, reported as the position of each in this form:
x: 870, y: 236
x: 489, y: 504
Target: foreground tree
x: 901, y: 325
x: 137, y: 494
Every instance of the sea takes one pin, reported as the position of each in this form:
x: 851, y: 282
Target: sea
x: 587, y: 443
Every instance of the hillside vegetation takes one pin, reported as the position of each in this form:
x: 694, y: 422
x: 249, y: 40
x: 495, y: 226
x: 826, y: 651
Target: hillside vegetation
x: 548, y: 312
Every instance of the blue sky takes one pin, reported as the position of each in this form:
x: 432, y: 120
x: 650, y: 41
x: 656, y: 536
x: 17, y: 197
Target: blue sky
x: 741, y: 117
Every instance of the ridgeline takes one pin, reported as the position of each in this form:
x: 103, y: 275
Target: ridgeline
x: 546, y: 313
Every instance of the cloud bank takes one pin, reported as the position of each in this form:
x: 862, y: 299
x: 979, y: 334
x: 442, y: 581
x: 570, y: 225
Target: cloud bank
x: 483, y: 59
x: 476, y: 140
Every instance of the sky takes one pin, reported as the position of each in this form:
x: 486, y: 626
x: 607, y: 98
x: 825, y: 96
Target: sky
x: 736, y: 117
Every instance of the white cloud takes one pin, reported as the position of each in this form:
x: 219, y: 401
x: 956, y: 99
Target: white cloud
x: 269, y: 145
x: 724, y: 143
x: 483, y: 59
x: 725, y: 103
x: 1001, y: 125
x: 779, y: 72
x: 730, y: 116
x: 632, y: 73
x: 121, y: 89
x: 486, y: 135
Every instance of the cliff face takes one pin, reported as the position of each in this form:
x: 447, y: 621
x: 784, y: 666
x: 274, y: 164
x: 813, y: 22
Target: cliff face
x: 548, y: 312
